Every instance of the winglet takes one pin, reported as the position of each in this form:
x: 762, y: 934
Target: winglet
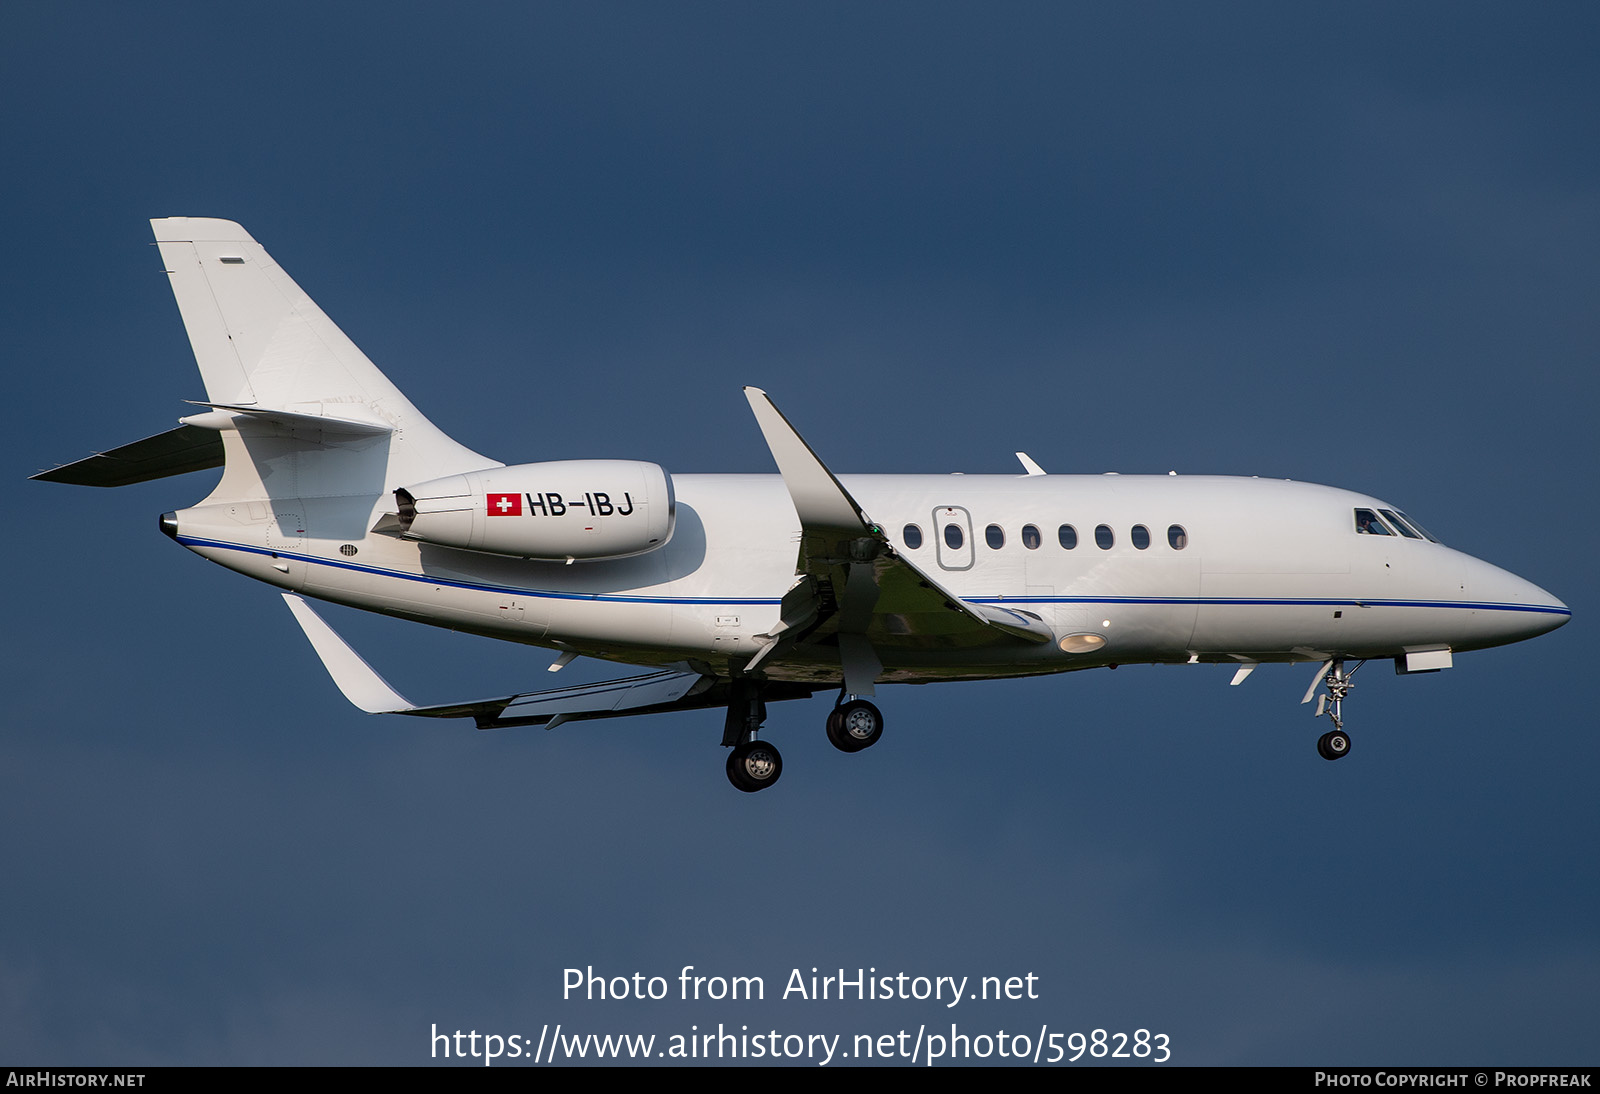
x: 360, y: 684
x: 1029, y: 466
x: 819, y: 499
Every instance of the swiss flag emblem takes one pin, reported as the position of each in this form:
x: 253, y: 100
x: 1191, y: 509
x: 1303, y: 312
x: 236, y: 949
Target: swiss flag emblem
x: 505, y: 505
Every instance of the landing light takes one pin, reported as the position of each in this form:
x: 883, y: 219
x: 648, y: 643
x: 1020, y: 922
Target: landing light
x: 1082, y: 643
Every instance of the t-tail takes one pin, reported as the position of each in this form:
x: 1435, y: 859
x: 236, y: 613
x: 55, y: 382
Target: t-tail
x: 293, y: 409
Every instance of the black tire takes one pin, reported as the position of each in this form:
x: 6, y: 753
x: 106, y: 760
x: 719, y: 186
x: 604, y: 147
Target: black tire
x: 833, y: 732
x: 1333, y: 745
x: 855, y: 726
x: 754, y: 765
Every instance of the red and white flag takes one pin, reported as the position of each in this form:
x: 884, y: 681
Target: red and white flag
x: 505, y: 505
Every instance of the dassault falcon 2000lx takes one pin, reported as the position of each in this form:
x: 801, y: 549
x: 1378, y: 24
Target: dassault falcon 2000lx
x: 739, y: 590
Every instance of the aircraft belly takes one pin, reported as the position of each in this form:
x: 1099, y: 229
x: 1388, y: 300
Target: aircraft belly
x: 820, y: 665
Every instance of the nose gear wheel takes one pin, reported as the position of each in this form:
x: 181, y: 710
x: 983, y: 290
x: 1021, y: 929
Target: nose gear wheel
x: 1335, y: 744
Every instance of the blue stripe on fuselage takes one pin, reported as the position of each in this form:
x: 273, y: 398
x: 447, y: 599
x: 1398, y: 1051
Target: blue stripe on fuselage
x: 1005, y: 601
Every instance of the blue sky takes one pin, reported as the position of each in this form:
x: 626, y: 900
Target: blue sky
x: 1342, y: 243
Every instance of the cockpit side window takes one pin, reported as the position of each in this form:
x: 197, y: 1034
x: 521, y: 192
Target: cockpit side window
x: 1393, y: 518
x: 1368, y: 524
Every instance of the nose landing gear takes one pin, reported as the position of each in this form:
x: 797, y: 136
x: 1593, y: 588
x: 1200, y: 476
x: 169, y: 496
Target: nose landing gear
x: 1335, y: 744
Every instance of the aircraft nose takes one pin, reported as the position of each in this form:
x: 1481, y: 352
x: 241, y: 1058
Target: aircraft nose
x: 1521, y: 608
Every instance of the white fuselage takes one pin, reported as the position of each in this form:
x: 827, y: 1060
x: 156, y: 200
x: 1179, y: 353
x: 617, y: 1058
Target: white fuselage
x: 749, y: 589
x: 1231, y: 569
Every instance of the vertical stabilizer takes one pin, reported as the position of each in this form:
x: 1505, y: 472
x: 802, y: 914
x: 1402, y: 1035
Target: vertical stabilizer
x: 263, y: 345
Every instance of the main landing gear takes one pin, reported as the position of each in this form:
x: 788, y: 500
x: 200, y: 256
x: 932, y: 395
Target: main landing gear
x: 1335, y: 744
x: 854, y: 725
x: 755, y: 765
x: 752, y: 765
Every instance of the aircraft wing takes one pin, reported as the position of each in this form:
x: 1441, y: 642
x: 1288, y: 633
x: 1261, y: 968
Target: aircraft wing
x: 853, y: 590
x: 651, y: 693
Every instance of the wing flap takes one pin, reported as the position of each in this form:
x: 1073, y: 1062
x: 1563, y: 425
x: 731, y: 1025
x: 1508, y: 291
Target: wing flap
x: 609, y: 698
x: 652, y: 693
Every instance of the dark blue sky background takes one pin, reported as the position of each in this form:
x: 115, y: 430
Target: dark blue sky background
x: 1353, y: 244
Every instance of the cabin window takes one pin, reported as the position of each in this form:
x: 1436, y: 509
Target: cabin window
x: 953, y: 537
x: 994, y: 536
x: 1141, y: 537
x: 912, y: 535
x: 1368, y: 524
x: 1068, y: 535
x: 1394, y: 519
x: 1103, y: 538
x: 1030, y: 537
x: 1177, y: 538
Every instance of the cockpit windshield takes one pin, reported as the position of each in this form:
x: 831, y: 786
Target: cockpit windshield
x: 1427, y: 535
x: 1393, y: 522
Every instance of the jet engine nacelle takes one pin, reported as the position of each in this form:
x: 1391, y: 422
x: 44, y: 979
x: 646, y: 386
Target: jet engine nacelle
x: 562, y: 510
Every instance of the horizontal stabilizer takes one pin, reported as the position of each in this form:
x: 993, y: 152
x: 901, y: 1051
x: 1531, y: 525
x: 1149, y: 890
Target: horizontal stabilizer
x: 289, y: 421
x: 175, y: 452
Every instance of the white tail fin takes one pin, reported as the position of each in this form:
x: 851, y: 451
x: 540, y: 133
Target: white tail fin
x: 276, y: 368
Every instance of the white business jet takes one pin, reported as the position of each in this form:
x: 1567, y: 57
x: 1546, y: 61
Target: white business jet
x: 739, y: 590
